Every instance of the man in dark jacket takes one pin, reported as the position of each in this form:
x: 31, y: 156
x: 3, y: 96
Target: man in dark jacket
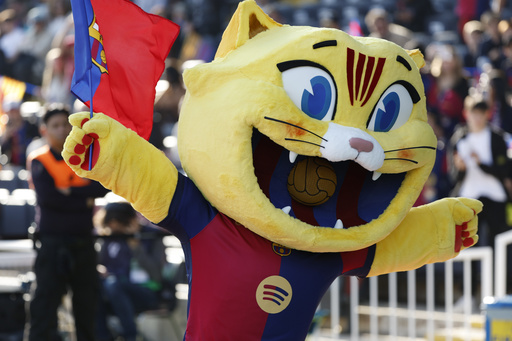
x: 66, y: 258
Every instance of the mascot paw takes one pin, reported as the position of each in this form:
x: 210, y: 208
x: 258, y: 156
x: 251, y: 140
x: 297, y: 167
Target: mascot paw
x: 466, y: 222
x: 84, y: 138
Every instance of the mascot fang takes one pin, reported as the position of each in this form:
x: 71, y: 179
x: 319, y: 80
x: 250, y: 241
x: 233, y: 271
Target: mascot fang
x: 305, y: 150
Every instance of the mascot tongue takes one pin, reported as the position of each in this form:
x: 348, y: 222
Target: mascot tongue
x: 357, y: 198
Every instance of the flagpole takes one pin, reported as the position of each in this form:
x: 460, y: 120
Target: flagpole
x: 90, y: 116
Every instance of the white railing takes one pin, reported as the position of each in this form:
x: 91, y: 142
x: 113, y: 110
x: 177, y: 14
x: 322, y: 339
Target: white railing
x: 432, y: 319
x: 410, y: 320
x: 500, y: 245
x: 16, y: 254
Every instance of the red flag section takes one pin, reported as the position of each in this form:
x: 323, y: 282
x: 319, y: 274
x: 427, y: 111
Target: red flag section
x: 128, y: 51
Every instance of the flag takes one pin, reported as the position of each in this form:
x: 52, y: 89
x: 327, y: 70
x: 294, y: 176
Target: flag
x: 12, y: 89
x: 354, y: 28
x: 120, y: 53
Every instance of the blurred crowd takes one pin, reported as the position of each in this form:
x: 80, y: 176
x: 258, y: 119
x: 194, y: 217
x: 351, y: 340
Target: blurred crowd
x: 467, y: 46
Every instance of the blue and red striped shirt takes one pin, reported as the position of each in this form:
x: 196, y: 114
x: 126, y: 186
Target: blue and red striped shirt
x: 243, y: 286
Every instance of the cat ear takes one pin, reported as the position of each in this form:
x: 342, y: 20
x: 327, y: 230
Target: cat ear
x: 248, y: 21
x: 417, y: 56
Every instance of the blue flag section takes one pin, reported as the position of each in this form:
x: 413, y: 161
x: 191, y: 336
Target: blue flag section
x: 86, y: 78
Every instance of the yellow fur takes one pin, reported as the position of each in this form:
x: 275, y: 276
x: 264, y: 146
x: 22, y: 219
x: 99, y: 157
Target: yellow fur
x: 243, y: 91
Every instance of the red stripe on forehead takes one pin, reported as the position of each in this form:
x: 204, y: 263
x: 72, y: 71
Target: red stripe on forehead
x: 350, y: 74
x: 359, y: 73
x: 375, y: 80
x: 366, y: 75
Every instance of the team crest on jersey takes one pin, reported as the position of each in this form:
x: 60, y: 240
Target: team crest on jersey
x: 97, y: 51
x: 281, y: 250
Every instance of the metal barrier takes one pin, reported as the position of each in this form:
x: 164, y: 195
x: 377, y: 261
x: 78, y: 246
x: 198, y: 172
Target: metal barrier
x: 500, y: 245
x: 406, y: 319
x: 16, y: 254
x: 432, y: 318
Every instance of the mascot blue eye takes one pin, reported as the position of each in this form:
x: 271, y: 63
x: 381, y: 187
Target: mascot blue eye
x: 393, y: 109
x: 317, y: 104
x: 384, y: 118
x: 312, y: 90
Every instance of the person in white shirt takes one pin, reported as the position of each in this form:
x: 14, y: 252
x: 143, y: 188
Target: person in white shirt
x: 480, y: 166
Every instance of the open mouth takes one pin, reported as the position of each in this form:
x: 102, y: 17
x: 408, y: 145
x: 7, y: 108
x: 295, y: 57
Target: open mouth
x: 359, y: 196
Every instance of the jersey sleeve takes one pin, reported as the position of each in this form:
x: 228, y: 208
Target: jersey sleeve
x: 358, y: 263
x: 189, y: 211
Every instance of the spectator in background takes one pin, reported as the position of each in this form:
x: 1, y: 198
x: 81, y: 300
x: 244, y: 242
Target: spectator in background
x: 378, y: 23
x: 466, y: 10
x: 58, y: 15
x: 491, y: 46
x: 58, y: 73
x: 499, y: 7
x: 168, y: 104
x: 206, y: 21
x: 472, y: 35
x: 194, y: 45
x: 439, y: 183
x: 36, y: 43
x: 177, y: 13
x: 413, y: 14
x: 447, y: 87
x: 11, y: 40
x: 479, y: 166
x: 66, y: 258
x: 506, y: 65
x: 16, y: 135
x: 329, y: 18
x: 62, y: 26
x: 131, y: 268
x: 505, y: 29
x: 275, y: 12
x: 498, y: 98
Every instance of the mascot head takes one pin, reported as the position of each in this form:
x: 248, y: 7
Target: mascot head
x: 309, y: 137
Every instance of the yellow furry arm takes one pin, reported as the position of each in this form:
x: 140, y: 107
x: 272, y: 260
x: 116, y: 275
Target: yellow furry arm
x: 122, y: 162
x: 431, y: 233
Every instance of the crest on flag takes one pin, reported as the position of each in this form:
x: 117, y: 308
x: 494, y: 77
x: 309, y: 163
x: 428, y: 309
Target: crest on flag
x: 97, y: 51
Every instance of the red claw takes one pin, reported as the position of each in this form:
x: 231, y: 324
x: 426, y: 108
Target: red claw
x: 79, y: 149
x: 458, y: 238
x: 462, y: 237
x: 87, y: 140
x: 74, y: 160
x: 468, y: 242
x: 95, y: 155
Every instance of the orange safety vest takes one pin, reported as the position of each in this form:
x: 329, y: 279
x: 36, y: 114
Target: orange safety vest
x: 62, y: 175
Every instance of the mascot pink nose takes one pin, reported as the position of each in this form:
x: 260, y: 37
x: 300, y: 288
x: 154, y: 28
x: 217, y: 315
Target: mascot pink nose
x: 361, y: 145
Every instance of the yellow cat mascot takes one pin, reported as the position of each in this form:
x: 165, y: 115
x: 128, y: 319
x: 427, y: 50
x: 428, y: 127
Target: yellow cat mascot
x: 305, y: 150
